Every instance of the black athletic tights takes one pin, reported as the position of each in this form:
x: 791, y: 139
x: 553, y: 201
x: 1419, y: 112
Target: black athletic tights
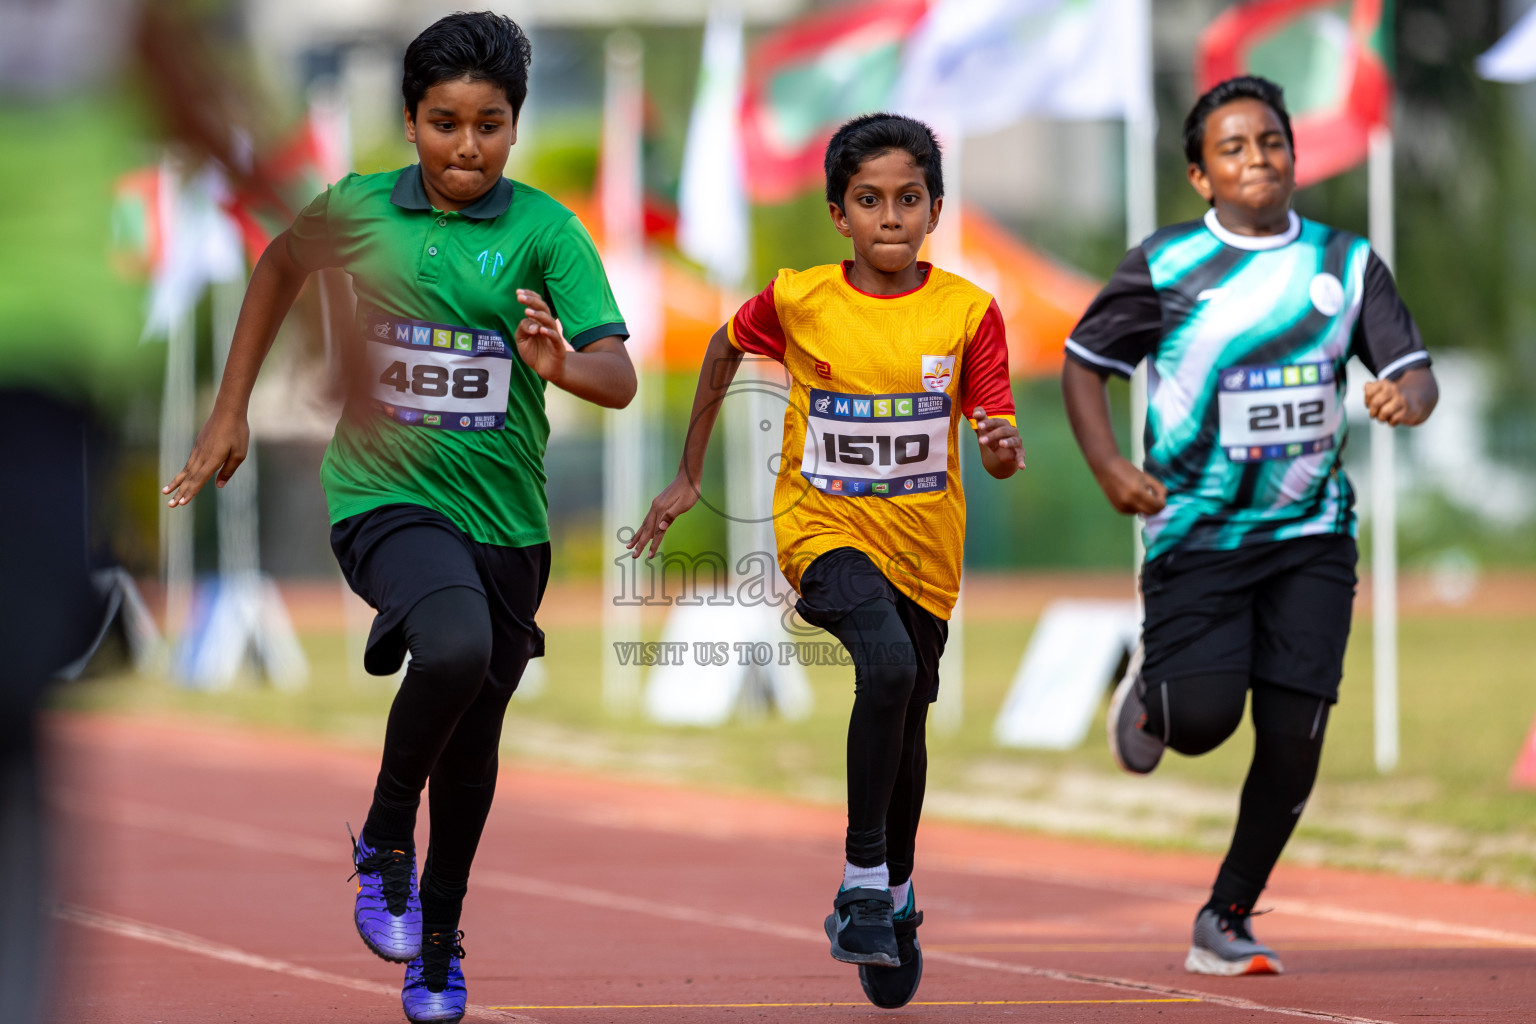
x: 887, y: 740
x: 1197, y: 713
x: 445, y: 725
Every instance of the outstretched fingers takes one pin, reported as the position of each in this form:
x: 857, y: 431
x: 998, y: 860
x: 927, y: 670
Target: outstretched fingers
x: 650, y: 531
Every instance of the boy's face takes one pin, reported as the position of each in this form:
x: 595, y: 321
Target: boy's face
x: 887, y: 211
x: 463, y: 130
x: 1248, y: 162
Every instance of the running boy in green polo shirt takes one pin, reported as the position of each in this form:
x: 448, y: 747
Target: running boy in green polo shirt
x: 435, y: 477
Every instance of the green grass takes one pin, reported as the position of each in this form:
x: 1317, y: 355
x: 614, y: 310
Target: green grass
x: 1447, y: 811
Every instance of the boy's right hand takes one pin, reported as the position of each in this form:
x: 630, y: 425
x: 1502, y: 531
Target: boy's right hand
x: 678, y: 497
x: 220, y: 447
x: 1131, y: 490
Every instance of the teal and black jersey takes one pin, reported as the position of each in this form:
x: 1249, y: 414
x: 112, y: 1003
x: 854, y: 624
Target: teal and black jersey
x: 1246, y: 340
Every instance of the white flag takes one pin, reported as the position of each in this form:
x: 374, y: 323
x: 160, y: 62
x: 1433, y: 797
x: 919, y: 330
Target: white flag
x: 1513, y: 58
x: 977, y: 65
x: 712, y: 225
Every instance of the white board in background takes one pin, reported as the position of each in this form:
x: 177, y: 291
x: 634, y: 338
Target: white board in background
x: 237, y: 620
x: 1070, y: 661
x: 690, y: 690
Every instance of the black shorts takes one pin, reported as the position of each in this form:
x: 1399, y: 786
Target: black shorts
x: 1276, y: 612
x: 395, y: 555
x: 838, y: 582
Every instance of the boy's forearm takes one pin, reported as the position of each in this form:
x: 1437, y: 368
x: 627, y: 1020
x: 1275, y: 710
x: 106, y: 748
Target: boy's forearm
x: 1087, y: 403
x: 997, y: 466
x: 721, y: 361
x: 600, y: 373
x: 1420, y: 393
x: 274, y: 285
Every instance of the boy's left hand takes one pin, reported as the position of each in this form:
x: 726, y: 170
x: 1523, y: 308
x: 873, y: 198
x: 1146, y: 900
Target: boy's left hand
x: 540, y: 339
x: 1000, y: 436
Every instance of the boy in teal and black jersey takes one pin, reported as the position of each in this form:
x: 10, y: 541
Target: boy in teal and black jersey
x: 435, y: 477
x: 1246, y: 319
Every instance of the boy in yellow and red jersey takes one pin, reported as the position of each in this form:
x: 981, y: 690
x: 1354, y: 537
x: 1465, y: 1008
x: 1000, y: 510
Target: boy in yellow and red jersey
x: 886, y: 354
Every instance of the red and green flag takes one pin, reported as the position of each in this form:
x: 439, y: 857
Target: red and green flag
x: 808, y: 77
x: 1332, y: 59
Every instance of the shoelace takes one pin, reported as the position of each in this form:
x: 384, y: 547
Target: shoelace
x: 1234, y: 922
x: 864, y: 912
x: 394, y: 870
x: 437, y: 955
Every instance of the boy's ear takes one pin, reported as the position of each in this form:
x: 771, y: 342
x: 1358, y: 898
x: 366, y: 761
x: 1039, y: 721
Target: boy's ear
x: 934, y: 209
x: 1201, y: 182
x: 840, y: 220
x: 410, y: 125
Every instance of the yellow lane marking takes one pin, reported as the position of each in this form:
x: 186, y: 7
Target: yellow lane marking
x: 1133, y: 947
x: 783, y: 1006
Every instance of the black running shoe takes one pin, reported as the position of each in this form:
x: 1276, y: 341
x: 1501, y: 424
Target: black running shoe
x: 893, y: 987
x: 860, y: 928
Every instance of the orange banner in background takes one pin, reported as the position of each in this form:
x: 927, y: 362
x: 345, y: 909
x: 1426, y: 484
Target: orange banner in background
x: 1041, y: 299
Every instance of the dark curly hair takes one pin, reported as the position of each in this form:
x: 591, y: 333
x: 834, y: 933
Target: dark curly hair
x: 873, y: 134
x: 477, y: 45
x: 1245, y: 87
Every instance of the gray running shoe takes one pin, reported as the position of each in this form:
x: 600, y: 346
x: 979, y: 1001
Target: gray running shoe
x: 1225, y: 946
x: 1135, y: 751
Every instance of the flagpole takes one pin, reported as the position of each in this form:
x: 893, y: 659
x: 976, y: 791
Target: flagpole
x: 623, y: 444
x: 1383, y: 485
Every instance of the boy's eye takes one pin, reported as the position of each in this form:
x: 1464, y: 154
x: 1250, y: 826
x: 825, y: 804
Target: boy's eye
x: 868, y: 200
x: 444, y: 126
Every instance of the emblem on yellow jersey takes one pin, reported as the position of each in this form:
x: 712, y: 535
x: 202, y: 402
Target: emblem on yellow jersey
x: 937, y: 371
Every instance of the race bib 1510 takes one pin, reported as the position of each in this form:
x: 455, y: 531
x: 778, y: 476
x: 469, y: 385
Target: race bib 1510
x: 884, y: 446
x: 438, y: 375
x: 1278, y: 412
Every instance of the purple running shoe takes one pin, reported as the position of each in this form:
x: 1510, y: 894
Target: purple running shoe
x: 434, y: 982
x: 388, y: 908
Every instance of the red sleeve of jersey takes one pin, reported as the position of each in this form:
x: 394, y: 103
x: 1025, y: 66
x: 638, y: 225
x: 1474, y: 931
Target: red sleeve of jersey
x: 984, y: 373
x: 756, y: 329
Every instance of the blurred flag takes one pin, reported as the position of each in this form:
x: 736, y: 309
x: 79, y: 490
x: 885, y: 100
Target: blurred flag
x: 1513, y: 58
x: 1331, y: 59
x: 974, y: 66
x: 805, y: 79
x: 199, y: 245
x: 712, y: 225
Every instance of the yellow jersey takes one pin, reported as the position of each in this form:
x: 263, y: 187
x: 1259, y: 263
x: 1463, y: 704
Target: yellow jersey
x: 879, y: 384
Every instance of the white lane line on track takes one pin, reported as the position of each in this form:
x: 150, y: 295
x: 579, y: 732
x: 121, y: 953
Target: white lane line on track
x: 200, y: 826
x: 676, y: 912
x: 235, y: 833
x: 128, y: 928
x: 1301, y: 908
x: 991, y: 867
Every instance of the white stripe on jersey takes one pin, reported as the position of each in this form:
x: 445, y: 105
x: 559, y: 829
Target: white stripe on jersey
x: 1093, y: 357
x: 1398, y: 364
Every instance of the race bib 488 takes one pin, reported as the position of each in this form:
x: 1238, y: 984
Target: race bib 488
x: 1278, y: 412
x: 882, y: 446
x: 438, y: 375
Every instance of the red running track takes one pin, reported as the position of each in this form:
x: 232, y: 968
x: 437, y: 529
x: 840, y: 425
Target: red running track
x: 204, y: 869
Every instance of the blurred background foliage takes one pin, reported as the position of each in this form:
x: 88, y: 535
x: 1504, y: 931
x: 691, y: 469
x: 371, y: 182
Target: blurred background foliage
x: 1466, y: 254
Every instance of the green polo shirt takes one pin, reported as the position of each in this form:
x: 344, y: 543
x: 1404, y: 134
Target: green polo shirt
x: 455, y: 276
